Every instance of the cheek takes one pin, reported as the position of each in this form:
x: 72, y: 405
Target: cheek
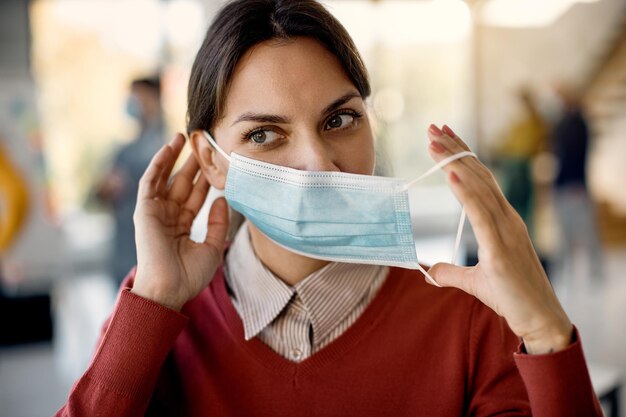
x: 359, y: 156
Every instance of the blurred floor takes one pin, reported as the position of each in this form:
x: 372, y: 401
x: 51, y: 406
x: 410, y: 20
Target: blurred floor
x: 31, y: 384
x: 597, y: 306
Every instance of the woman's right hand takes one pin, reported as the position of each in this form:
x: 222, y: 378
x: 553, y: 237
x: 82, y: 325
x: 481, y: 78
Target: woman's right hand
x: 171, y: 268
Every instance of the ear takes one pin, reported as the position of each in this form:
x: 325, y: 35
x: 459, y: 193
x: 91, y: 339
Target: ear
x: 212, y: 165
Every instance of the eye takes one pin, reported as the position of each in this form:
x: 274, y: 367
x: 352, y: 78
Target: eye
x: 342, y: 120
x: 261, y: 136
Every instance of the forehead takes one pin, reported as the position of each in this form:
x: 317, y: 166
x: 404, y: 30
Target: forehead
x: 285, y: 76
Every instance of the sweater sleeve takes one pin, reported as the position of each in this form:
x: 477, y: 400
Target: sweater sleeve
x: 558, y: 384
x: 505, y: 383
x: 128, y: 359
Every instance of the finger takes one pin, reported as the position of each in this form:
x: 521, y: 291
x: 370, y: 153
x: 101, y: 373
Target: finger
x: 195, y: 201
x: 183, y: 180
x: 470, y: 170
x: 481, y: 206
x: 198, y: 194
x: 455, y: 146
x: 448, y: 275
x: 476, y: 167
x: 485, y: 222
x: 159, y: 166
x: 177, y: 145
x: 218, y: 224
x: 448, y: 131
x: 494, y: 233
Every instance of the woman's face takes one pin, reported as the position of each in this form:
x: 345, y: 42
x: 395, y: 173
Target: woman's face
x: 291, y: 104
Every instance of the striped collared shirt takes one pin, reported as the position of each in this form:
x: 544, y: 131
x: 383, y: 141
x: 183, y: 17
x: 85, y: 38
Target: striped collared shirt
x: 297, y: 321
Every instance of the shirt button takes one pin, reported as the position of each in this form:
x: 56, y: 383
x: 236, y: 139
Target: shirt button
x: 296, y: 354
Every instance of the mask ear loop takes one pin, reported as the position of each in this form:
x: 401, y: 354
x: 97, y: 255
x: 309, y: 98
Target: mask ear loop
x: 459, y: 231
x: 215, y: 145
x: 440, y: 165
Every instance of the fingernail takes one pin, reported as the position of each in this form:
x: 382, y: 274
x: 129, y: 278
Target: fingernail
x: 435, y: 130
x: 437, y: 147
x: 448, y: 131
x: 454, y: 178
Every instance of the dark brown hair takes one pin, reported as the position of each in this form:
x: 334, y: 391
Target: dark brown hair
x: 241, y: 24
x: 150, y: 83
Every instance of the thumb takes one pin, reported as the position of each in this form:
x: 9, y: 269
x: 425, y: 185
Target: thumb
x: 218, y: 224
x: 449, y: 275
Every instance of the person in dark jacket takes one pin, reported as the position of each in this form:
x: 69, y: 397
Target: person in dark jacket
x: 574, y: 207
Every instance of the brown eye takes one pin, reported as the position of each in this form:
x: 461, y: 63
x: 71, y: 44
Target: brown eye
x: 340, y: 121
x: 335, y: 122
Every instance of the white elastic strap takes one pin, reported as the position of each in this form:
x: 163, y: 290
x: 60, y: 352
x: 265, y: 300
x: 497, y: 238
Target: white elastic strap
x: 440, y: 165
x: 459, y: 231
x: 457, y: 244
x: 427, y: 275
x: 215, y: 145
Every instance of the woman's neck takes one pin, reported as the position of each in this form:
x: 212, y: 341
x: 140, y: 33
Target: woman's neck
x: 286, y: 265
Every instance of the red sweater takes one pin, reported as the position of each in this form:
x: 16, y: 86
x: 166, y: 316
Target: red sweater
x: 416, y: 350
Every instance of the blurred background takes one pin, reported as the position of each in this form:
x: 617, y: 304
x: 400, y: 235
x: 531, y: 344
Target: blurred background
x: 90, y: 88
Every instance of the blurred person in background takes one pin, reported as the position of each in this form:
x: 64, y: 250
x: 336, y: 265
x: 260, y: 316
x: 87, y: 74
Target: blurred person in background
x: 118, y: 188
x: 319, y: 305
x: 522, y: 142
x: 574, y: 207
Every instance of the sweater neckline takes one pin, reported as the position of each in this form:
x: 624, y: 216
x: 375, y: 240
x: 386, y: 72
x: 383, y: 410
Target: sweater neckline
x: 259, y: 296
x: 371, y: 316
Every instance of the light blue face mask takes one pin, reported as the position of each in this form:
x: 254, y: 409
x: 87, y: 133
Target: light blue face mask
x: 133, y: 107
x: 329, y: 215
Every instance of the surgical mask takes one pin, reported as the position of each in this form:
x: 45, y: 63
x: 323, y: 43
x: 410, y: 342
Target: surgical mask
x: 134, y: 108
x: 328, y: 215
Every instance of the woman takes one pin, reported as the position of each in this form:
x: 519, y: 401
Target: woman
x: 266, y: 330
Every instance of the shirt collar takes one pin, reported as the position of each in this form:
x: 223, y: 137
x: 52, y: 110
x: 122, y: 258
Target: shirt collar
x: 329, y: 294
x: 259, y: 295
x: 334, y: 291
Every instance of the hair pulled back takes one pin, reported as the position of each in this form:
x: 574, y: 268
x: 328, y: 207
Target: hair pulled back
x: 240, y: 25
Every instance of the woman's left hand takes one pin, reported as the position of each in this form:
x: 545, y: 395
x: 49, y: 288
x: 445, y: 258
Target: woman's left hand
x: 508, y: 277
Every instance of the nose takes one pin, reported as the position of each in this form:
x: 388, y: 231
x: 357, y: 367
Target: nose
x: 315, y: 154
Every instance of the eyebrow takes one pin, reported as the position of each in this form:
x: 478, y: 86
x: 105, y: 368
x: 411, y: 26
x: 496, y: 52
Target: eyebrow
x: 340, y: 102
x: 261, y: 118
x: 274, y: 118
